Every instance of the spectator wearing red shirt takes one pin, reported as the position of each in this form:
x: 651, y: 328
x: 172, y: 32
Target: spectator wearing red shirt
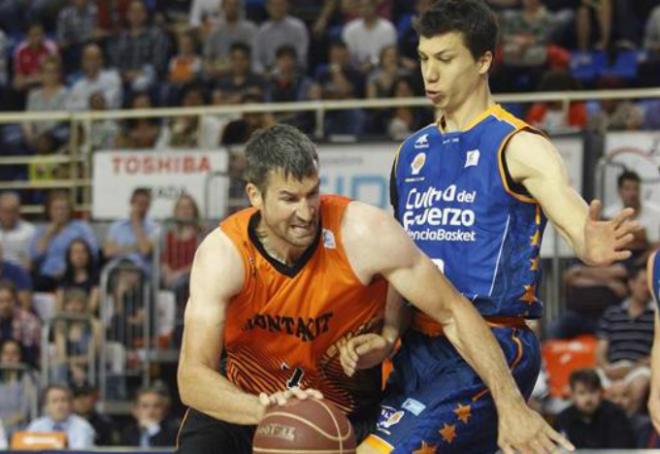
x: 18, y: 324
x: 550, y: 116
x: 30, y: 56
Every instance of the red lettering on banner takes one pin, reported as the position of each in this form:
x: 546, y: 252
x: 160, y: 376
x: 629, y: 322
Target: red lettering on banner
x: 164, y: 165
x: 158, y: 164
x: 148, y: 165
x: 132, y: 165
x: 204, y: 165
x: 116, y: 164
x: 188, y: 164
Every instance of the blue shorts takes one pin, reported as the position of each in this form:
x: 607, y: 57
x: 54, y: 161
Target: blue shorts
x: 435, y: 401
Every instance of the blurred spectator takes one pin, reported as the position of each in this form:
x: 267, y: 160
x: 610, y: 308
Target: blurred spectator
x: 368, y: 35
x: 21, y: 280
x: 151, y: 427
x: 51, y: 241
x: 133, y: 238
x: 17, y: 388
x: 629, y: 20
x: 141, y: 50
x: 625, y: 337
x: 84, y: 405
x: 405, y: 120
x: 95, y: 79
x: 51, y: 96
x: 181, y: 241
x: 241, y: 80
x: 77, y: 341
x: 18, y: 324
x: 104, y: 133
x: 615, y: 114
x: 503, y: 4
x: 4, y: 60
x: 59, y: 417
x: 77, y: 24
x: 82, y: 273
x: 281, y: 30
x: 551, y: 116
x: 140, y: 133
x: 29, y: 57
x: 407, y: 35
x: 234, y: 29
x: 602, y: 10
x: 289, y: 84
x: 239, y: 131
x: 183, y: 131
x: 205, y: 14
x: 15, y: 233
x: 381, y: 80
x: 186, y: 65
x: 592, y: 422
x: 652, y: 32
x: 646, y: 213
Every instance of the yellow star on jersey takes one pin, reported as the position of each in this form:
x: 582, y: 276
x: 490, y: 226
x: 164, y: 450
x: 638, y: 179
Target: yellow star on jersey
x: 536, y: 239
x: 535, y: 264
x: 530, y: 294
x: 537, y: 215
x: 425, y: 449
x: 463, y: 413
x: 448, y: 432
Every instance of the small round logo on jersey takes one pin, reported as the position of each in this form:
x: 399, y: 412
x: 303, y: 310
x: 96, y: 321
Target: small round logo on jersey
x: 418, y: 163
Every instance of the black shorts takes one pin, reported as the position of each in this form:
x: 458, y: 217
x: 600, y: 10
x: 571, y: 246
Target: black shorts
x: 201, y: 434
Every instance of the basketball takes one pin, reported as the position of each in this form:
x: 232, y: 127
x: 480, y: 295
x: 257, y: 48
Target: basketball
x: 304, y: 426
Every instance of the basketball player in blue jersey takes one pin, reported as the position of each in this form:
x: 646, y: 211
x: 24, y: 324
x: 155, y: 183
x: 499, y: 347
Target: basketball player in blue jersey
x: 653, y: 273
x: 473, y: 191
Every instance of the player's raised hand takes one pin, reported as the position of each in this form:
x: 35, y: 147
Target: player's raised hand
x: 606, y: 241
x: 522, y: 430
x: 363, y: 352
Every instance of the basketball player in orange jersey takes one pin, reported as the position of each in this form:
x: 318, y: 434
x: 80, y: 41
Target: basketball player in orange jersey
x: 473, y: 191
x: 280, y: 286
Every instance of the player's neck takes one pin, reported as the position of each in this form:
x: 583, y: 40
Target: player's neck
x: 461, y: 117
x: 277, y: 248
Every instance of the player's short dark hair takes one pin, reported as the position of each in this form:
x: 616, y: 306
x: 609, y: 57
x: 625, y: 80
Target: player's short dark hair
x: 627, y: 175
x: 280, y: 147
x: 240, y: 47
x: 472, y: 18
x: 587, y: 377
x: 141, y: 191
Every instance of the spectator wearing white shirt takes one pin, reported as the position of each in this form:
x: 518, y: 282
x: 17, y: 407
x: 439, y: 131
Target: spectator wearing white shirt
x: 59, y: 417
x: 95, y: 79
x: 368, y: 35
x: 205, y: 13
x: 15, y: 233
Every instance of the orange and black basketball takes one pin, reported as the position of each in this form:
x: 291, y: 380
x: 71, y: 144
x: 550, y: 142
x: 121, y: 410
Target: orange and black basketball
x: 304, y: 426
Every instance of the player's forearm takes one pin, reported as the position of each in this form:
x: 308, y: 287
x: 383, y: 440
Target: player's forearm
x: 396, y: 316
x: 205, y: 390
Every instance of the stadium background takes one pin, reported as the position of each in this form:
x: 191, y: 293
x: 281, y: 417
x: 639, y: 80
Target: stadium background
x: 172, y: 107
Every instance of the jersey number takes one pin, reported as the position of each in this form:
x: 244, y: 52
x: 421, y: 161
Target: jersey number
x: 296, y: 378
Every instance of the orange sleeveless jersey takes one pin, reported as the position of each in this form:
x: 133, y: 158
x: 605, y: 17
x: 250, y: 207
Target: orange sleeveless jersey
x: 284, y: 326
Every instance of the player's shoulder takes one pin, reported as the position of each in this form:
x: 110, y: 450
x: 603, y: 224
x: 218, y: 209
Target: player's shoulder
x: 418, y: 140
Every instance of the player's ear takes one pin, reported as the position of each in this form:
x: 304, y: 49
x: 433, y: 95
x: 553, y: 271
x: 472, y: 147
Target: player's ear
x: 485, y: 62
x: 254, y: 195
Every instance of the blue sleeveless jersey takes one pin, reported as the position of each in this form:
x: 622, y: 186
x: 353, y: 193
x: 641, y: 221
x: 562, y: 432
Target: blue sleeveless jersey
x: 452, y: 195
x: 654, y: 276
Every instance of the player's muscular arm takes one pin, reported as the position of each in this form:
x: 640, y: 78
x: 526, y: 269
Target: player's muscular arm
x: 654, y: 397
x: 535, y: 162
x: 216, y: 276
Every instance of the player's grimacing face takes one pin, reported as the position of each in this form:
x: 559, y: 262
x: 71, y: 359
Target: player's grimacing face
x: 290, y: 208
x: 449, y: 70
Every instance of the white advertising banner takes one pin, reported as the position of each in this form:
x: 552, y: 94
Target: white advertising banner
x: 167, y: 173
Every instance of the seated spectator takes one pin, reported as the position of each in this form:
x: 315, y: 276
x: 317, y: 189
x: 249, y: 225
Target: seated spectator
x: 405, y: 120
x: 81, y: 273
x: 186, y: 65
x: 140, y: 133
x: 381, y: 80
x: 280, y: 30
x: 77, y: 342
x: 239, y: 131
x: 550, y: 116
x: 141, y: 50
x: 59, y: 417
x: 95, y: 79
x: 407, y: 35
x: 133, y: 238
x: 151, y: 427
x: 592, y: 422
x: 629, y: 19
x: 234, y: 30
x: 602, y: 10
x: 205, y: 15
x: 368, y: 35
x: 652, y: 33
x: 51, y: 241
x: 615, y: 114
x: 184, y: 131
x: 29, y: 57
x: 18, y: 324
x: 647, y: 213
x: 104, y: 133
x: 77, y: 24
x: 240, y: 79
x: 50, y: 96
x: 17, y: 388
x: 4, y: 67
x: 84, y: 405
x: 21, y: 280
x: 625, y: 337
x: 15, y: 232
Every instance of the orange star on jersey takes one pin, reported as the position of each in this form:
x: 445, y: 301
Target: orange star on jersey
x: 448, y: 432
x: 463, y: 413
x: 530, y: 294
x: 425, y: 449
x: 535, y: 264
x: 536, y: 238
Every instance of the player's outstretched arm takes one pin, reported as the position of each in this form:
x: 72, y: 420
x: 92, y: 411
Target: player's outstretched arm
x: 535, y: 162
x: 654, y: 397
x: 217, y: 275
x: 377, y: 245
